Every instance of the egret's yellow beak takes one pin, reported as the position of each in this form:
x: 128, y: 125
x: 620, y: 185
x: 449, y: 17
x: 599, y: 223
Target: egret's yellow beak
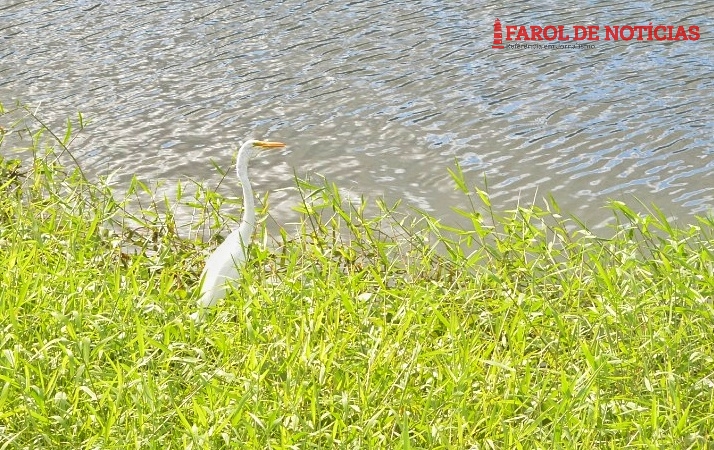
x: 268, y: 144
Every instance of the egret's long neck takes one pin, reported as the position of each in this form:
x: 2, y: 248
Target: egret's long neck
x: 248, y: 200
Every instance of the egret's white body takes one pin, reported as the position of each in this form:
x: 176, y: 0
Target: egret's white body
x: 223, y: 265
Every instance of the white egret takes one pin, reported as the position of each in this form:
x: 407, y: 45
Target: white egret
x: 223, y: 265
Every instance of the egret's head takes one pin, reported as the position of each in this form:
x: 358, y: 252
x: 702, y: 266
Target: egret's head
x: 251, y: 147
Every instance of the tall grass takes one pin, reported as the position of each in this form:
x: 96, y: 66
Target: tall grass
x: 524, y: 330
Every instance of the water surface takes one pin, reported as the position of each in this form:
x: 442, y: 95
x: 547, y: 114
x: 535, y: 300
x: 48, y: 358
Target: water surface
x: 380, y: 98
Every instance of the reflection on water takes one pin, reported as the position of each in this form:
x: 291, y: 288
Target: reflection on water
x: 379, y: 97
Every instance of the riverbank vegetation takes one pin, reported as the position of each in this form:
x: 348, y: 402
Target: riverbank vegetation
x: 523, y: 330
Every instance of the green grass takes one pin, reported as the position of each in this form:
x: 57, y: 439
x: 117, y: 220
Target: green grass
x: 523, y: 331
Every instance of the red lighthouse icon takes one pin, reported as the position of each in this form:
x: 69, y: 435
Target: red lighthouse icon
x: 497, y: 35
